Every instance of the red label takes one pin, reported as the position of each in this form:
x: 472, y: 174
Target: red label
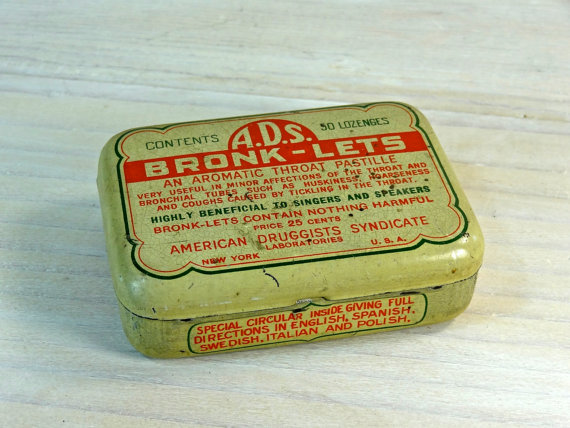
x: 250, y: 192
x: 308, y: 323
x: 284, y: 152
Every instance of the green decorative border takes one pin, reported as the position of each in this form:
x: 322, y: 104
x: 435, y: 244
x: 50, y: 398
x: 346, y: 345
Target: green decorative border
x: 303, y: 308
x: 423, y: 240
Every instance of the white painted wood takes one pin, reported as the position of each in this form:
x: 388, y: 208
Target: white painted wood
x: 492, y: 77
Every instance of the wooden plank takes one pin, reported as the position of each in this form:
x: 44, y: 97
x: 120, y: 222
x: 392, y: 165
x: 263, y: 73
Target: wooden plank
x: 491, y: 76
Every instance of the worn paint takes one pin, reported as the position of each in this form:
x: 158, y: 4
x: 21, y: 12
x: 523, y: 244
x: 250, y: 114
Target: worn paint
x: 282, y: 228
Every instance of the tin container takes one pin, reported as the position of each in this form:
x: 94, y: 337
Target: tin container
x: 264, y: 230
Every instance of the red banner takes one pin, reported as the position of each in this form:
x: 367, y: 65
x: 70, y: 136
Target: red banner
x: 280, y: 153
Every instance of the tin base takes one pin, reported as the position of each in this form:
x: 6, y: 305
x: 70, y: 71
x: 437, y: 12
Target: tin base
x: 308, y: 320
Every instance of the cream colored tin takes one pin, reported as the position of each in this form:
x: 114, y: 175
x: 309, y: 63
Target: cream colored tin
x: 282, y: 228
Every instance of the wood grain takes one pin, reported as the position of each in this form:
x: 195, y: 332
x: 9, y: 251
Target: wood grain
x: 491, y: 76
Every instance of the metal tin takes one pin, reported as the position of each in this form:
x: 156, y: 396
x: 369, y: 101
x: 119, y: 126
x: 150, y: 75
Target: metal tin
x: 282, y: 228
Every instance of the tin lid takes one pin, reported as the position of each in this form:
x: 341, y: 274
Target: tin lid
x: 241, y: 214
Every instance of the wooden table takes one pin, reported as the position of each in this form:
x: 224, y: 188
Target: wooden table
x: 492, y: 77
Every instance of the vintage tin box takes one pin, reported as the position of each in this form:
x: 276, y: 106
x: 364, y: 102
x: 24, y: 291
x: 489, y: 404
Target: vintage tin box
x: 283, y: 228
